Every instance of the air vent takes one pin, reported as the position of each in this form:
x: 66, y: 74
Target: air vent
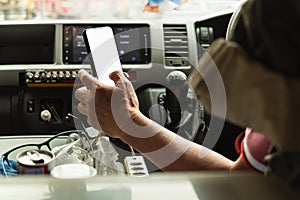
x: 176, y: 45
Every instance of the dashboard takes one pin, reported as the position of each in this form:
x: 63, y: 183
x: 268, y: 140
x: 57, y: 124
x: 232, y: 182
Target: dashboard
x: 40, y: 60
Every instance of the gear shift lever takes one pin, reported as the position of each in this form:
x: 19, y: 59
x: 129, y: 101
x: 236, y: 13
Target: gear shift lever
x: 175, y: 95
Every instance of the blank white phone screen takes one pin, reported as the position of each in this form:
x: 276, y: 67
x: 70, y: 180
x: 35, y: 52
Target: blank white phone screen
x: 104, y: 53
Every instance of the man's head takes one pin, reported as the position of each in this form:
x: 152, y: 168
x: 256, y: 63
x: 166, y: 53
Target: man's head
x: 269, y: 31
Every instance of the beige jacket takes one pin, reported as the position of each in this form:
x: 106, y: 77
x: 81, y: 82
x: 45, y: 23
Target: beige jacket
x: 256, y: 96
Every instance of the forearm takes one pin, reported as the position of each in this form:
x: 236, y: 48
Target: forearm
x: 171, y: 152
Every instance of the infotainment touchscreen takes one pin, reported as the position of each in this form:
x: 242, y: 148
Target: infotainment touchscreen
x: 133, y: 42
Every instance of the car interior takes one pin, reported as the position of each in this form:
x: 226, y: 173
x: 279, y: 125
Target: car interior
x: 40, y: 56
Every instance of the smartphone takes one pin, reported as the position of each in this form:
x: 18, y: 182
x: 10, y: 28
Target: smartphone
x: 103, y: 53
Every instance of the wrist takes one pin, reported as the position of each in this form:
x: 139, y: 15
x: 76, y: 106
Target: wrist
x: 138, y: 120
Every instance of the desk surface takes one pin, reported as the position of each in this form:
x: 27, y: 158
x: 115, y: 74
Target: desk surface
x: 184, y: 186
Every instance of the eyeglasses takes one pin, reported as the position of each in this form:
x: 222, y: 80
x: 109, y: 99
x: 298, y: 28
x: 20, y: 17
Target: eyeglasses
x: 46, y: 143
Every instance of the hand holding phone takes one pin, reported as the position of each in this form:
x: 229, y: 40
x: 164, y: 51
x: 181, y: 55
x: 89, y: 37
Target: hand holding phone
x: 104, y: 57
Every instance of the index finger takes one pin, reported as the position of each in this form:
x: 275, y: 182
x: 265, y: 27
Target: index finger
x: 88, y: 80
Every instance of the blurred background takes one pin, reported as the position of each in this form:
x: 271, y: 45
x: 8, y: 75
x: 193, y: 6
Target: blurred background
x: 107, y: 9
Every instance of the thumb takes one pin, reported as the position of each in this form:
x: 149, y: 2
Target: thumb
x: 125, y: 85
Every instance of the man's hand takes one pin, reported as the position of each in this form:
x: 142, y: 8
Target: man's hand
x: 107, y: 108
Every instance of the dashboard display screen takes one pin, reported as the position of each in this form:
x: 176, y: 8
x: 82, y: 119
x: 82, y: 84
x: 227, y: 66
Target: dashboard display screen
x: 27, y: 44
x: 132, y: 42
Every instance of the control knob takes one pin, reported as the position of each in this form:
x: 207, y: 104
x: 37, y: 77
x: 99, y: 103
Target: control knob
x: 46, y: 115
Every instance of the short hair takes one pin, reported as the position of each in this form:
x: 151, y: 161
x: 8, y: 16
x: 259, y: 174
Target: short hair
x: 269, y: 31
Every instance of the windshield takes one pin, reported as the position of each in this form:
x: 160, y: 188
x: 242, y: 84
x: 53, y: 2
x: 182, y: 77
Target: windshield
x: 109, y: 9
